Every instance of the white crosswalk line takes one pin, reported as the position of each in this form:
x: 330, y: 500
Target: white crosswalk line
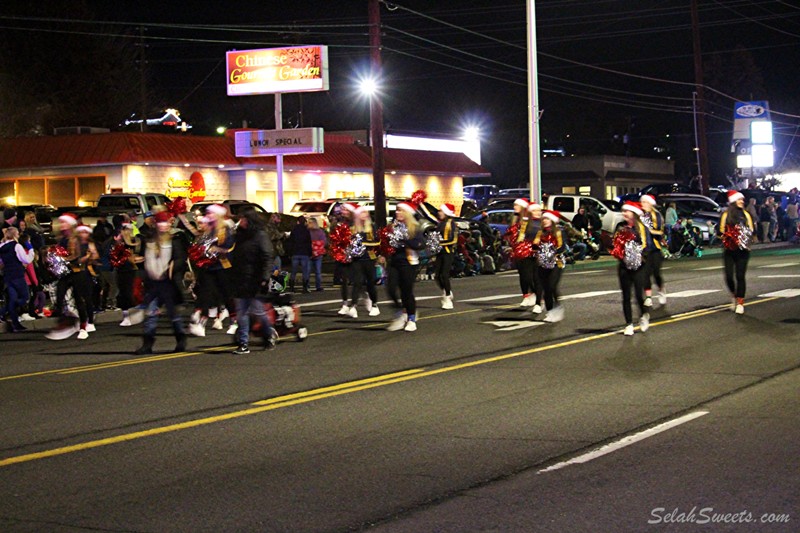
x: 780, y: 265
x: 718, y: 267
x: 786, y: 293
x: 580, y: 273
x: 493, y: 297
x: 592, y: 294
x: 778, y: 276
x: 511, y: 325
x: 690, y: 293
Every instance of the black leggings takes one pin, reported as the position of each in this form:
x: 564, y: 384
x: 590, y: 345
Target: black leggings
x: 526, y: 268
x: 82, y: 286
x: 653, y: 264
x: 364, y: 274
x: 635, y: 279
x: 444, y: 262
x: 125, y: 280
x: 736, y: 271
x: 402, y: 277
x: 548, y: 280
x: 346, y: 273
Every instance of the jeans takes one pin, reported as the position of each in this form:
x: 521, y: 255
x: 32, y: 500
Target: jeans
x: 161, y: 292
x: 316, y: 265
x: 304, y: 262
x: 16, y: 297
x: 246, y: 307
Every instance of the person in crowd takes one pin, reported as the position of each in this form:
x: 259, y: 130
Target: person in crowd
x: 148, y: 228
x: 444, y: 259
x: 402, y: 269
x: 655, y: 224
x: 343, y: 269
x: 632, y: 277
x: 300, y: 244
x: 580, y: 221
x: 362, y: 267
x: 165, y: 260
x: 107, y: 275
x: 103, y: 230
x: 319, y: 244
x: 753, y: 210
x: 277, y: 237
x: 252, y: 265
x: 521, y: 230
x: 82, y: 285
x: 35, y: 293
x: 10, y: 219
x: 15, y: 258
x: 33, y: 230
x: 736, y: 222
x: 207, y: 297
x: 551, y: 245
x: 792, y: 217
x: 127, y: 272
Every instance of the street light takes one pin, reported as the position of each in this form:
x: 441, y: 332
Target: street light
x: 221, y: 130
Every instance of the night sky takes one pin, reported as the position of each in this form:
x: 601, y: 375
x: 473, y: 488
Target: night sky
x: 606, y: 67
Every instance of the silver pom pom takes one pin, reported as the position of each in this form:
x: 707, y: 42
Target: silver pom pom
x: 57, y: 265
x: 355, y: 248
x: 546, y: 256
x: 399, y: 235
x: 433, y: 243
x: 633, y: 255
x: 745, y: 234
x: 647, y: 220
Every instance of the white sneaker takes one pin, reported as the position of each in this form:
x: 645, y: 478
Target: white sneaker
x: 648, y: 302
x: 628, y: 330
x: 526, y: 300
x: 556, y: 314
x: 62, y: 333
x: 352, y: 312
x: 410, y: 326
x: 224, y: 314
x: 125, y: 322
x: 739, y: 309
x: 195, y: 317
x: 90, y: 328
x: 374, y: 311
x: 368, y: 304
x: 136, y: 316
x: 83, y: 334
x: 25, y: 317
x: 662, y: 297
x: 198, y: 330
x: 233, y: 329
x: 217, y: 324
x: 536, y: 309
x: 344, y: 310
x: 644, y: 322
x: 398, y: 323
x: 447, y: 302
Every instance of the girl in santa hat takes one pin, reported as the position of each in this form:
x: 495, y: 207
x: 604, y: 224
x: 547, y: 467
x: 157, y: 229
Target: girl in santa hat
x: 403, y: 269
x: 363, y: 265
x: 343, y: 268
x: 655, y: 223
x: 550, y: 244
x: 631, y: 270
x: 736, y: 229
x: 520, y: 236
x: 444, y: 259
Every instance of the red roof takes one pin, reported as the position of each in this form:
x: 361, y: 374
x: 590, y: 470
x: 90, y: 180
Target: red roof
x: 103, y: 149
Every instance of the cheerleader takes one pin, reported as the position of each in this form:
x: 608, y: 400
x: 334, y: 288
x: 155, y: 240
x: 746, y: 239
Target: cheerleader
x: 520, y: 231
x: 535, y: 222
x: 631, y: 274
x: 444, y: 259
x: 403, y: 270
x: 655, y: 223
x: 363, y: 265
x: 736, y: 229
x: 343, y: 269
x: 550, y: 244
x: 128, y: 271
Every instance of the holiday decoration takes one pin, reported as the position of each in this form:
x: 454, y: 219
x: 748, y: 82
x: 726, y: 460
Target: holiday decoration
x: 627, y: 250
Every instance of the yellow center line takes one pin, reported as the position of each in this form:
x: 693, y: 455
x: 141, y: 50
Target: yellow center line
x: 336, y: 390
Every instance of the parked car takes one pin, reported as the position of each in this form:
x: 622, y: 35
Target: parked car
x: 568, y: 205
x: 702, y: 210
x: 481, y: 194
x: 656, y: 190
x: 44, y: 215
x: 133, y: 204
x: 321, y: 210
x: 498, y: 219
x: 427, y: 214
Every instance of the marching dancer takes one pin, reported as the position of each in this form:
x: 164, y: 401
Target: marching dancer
x: 444, y: 259
x: 535, y: 210
x: 128, y: 270
x: 631, y: 247
x: 736, y: 228
x: 550, y: 245
x: 403, y: 267
x: 363, y: 263
x: 15, y: 258
x: 520, y: 236
x: 340, y: 238
x: 655, y: 223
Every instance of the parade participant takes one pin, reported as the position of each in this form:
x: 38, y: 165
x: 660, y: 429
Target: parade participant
x: 15, y: 259
x: 402, y: 267
x: 550, y: 245
x: 252, y: 265
x: 655, y: 223
x: 736, y: 228
x: 535, y: 211
x: 340, y: 239
x: 164, y: 266
x: 207, y: 297
x: 520, y: 237
x: 130, y: 253
x: 363, y: 262
x: 81, y: 253
x: 630, y: 247
x: 444, y: 259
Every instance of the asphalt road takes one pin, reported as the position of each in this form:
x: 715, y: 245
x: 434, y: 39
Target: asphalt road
x: 485, y: 419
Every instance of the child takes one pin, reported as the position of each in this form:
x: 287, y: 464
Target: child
x: 380, y: 270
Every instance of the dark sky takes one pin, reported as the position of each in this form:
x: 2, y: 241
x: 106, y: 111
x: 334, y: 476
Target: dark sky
x: 606, y: 67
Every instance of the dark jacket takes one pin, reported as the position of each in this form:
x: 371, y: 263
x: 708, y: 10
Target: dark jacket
x: 252, y: 261
x: 300, y: 239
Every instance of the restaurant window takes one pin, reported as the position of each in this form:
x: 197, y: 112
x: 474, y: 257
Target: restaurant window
x: 585, y: 191
x: 61, y: 192
x: 7, y: 195
x: 90, y: 189
x: 30, y: 192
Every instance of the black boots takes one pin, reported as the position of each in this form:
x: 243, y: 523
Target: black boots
x: 180, y: 337
x: 147, y: 345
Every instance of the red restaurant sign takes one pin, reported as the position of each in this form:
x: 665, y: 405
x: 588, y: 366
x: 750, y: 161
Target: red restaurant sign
x: 277, y: 70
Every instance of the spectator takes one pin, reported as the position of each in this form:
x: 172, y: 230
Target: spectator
x: 791, y: 220
x: 319, y: 242
x: 671, y: 217
x: 300, y: 241
x: 277, y: 237
x: 102, y: 230
x: 148, y: 228
x: 752, y: 209
x: 10, y: 219
x: 580, y: 221
x: 33, y: 230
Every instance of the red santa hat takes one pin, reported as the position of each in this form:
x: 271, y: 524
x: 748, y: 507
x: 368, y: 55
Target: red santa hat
x: 534, y: 205
x: 408, y: 207
x: 448, y: 209
x: 69, y: 218
x: 522, y: 202
x: 555, y: 216
x: 85, y: 228
x: 734, y: 196
x: 650, y: 199
x: 217, y: 209
x: 351, y: 207
x: 634, y: 207
x: 162, y: 217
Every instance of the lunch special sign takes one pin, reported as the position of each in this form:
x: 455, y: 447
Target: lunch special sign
x: 277, y: 70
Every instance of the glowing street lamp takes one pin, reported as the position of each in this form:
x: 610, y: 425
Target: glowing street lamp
x: 221, y: 130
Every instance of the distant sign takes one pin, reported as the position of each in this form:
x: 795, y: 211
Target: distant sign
x: 261, y: 143
x: 745, y: 110
x: 277, y: 70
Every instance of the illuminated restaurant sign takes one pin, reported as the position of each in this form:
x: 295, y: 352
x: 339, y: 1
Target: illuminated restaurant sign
x: 277, y: 70
x: 258, y: 143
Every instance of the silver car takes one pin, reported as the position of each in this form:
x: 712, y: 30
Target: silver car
x: 701, y: 210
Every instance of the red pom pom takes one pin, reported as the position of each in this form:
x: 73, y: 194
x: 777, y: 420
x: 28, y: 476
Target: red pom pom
x: 418, y: 196
x: 339, y: 239
x: 197, y: 255
x: 620, y: 239
x: 511, y: 234
x: 119, y: 255
x: 177, y: 206
x: 385, y: 249
x: 522, y: 250
x: 59, y: 251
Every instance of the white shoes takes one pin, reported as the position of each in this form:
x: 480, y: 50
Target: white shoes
x: 644, y: 322
x: 648, y: 302
x: 197, y: 329
x: 126, y: 322
x: 662, y: 297
x: 374, y: 311
x: 352, y: 312
x: 59, y: 334
x: 233, y: 329
x: 556, y: 314
x: 528, y: 300
x: 25, y: 317
x: 410, y: 326
x: 447, y: 302
x: 344, y: 310
x: 83, y: 334
x: 224, y: 314
x: 628, y: 330
x: 739, y: 309
x: 536, y: 309
x: 398, y: 323
x: 90, y: 328
x: 217, y: 324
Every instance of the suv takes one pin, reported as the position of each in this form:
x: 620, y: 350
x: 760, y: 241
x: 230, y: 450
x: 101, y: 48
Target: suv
x: 133, y: 204
x: 702, y: 210
x: 320, y: 210
x: 480, y: 194
x: 656, y: 190
x: 568, y: 205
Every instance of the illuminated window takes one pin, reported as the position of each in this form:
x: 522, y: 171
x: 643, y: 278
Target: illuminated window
x: 567, y: 190
x: 585, y: 191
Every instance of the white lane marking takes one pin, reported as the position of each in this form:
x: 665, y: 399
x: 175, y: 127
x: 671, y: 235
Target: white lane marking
x: 511, y: 325
x: 490, y: 298
x: 384, y: 302
x: 625, y: 441
x: 689, y: 294
x: 591, y: 294
x: 666, y: 268
x: 581, y: 272
x: 719, y: 267
x: 780, y: 265
x: 507, y: 273
x: 776, y: 276
x: 786, y: 293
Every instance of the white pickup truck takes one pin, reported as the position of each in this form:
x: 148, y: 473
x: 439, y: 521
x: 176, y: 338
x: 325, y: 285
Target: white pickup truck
x: 568, y: 204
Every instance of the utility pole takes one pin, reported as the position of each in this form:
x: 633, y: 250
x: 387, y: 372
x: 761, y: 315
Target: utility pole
x: 376, y: 115
x: 142, y: 82
x: 701, y: 106
x: 534, y: 113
